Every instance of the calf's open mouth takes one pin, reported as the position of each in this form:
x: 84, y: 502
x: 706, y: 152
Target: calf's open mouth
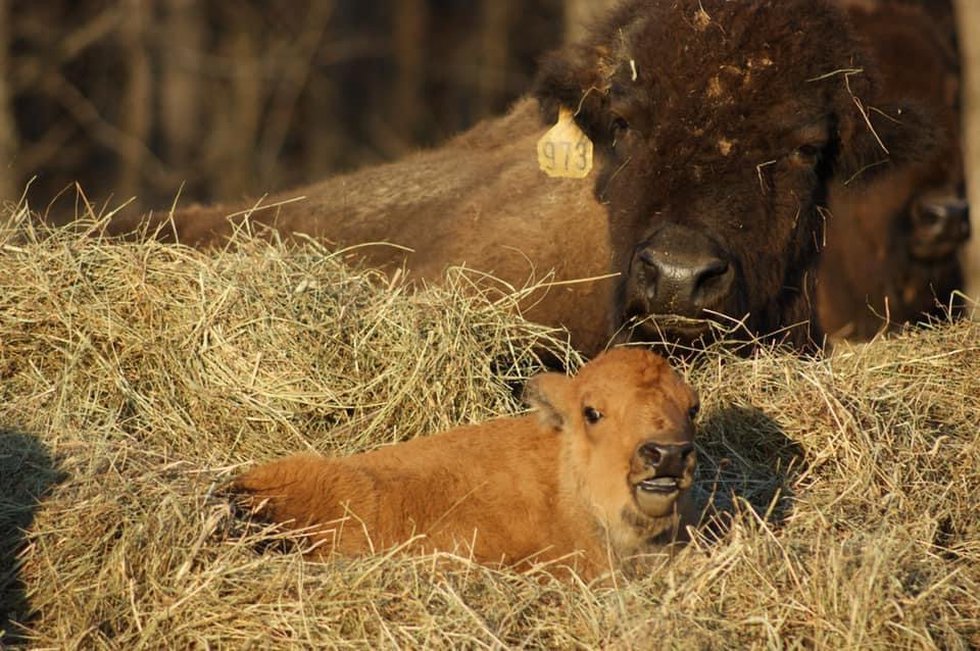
x: 655, y: 496
x: 660, y: 485
x: 659, y: 474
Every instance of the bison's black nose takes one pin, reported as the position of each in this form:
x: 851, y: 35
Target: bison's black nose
x: 686, y: 275
x: 668, y: 460
x: 939, y: 226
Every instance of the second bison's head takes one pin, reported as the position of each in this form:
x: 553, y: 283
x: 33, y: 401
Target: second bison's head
x: 628, y: 435
x: 719, y: 127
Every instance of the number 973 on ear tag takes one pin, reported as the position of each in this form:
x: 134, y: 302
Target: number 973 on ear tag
x: 565, y: 151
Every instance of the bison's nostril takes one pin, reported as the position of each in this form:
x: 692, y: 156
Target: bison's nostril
x: 649, y: 259
x: 959, y: 211
x: 942, y: 219
x: 939, y: 227
x: 713, y: 267
x: 666, y: 459
x: 928, y: 215
x: 652, y: 453
x: 711, y: 283
x: 710, y: 274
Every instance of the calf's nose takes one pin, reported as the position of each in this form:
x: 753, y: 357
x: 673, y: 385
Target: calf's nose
x: 667, y: 459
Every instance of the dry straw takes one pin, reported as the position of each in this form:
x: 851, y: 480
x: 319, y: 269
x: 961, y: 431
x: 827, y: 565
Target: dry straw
x: 133, y: 376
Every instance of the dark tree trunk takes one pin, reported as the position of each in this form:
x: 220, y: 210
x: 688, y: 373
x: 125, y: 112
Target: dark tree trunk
x: 137, y: 100
x: 495, y: 51
x: 410, y: 32
x: 181, y: 114
x: 8, y: 128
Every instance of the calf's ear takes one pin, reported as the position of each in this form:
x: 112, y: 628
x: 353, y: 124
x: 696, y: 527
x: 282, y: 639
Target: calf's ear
x: 874, y: 139
x: 550, y: 394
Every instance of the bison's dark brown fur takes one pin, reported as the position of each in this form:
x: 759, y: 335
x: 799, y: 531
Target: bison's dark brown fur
x: 719, y: 127
x: 891, y: 254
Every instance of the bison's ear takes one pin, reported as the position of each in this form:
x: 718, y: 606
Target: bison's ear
x: 550, y: 394
x: 572, y: 78
x: 875, y: 139
x: 580, y: 76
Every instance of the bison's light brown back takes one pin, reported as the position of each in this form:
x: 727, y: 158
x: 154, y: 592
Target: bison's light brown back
x: 711, y: 173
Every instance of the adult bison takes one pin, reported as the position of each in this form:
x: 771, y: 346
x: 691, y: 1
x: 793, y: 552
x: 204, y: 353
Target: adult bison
x: 601, y: 473
x: 718, y: 129
x: 891, y: 254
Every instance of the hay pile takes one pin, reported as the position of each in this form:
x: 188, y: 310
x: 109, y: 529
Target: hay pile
x: 133, y: 376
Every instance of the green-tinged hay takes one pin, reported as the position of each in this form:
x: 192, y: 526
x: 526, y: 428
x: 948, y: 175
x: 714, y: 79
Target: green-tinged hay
x: 134, y: 377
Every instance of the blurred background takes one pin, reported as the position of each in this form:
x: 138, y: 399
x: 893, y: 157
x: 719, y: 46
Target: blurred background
x: 141, y: 99
x: 135, y: 97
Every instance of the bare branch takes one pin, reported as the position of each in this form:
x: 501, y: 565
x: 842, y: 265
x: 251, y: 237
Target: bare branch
x: 87, y: 115
x: 8, y: 128
x: 291, y: 84
x: 137, y: 99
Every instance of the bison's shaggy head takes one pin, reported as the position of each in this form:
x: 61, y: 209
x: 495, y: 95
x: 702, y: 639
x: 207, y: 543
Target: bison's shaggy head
x: 719, y: 127
x: 628, y: 437
x: 925, y: 207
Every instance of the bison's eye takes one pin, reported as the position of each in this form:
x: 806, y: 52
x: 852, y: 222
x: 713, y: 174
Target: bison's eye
x: 618, y: 127
x: 592, y: 415
x: 806, y: 155
x: 692, y: 413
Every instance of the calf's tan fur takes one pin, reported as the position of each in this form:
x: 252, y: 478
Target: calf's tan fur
x: 579, y: 483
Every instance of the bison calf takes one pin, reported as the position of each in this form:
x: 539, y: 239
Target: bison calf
x: 599, y: 474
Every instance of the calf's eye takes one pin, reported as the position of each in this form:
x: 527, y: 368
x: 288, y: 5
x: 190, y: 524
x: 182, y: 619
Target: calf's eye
x: 592, y: 415
x: 692, y: 413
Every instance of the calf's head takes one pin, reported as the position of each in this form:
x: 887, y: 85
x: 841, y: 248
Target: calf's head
x: 719, y: 127
x: 626, y: 422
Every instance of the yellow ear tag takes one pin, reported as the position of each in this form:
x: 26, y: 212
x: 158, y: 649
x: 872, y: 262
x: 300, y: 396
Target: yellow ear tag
x: 565, y: 150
